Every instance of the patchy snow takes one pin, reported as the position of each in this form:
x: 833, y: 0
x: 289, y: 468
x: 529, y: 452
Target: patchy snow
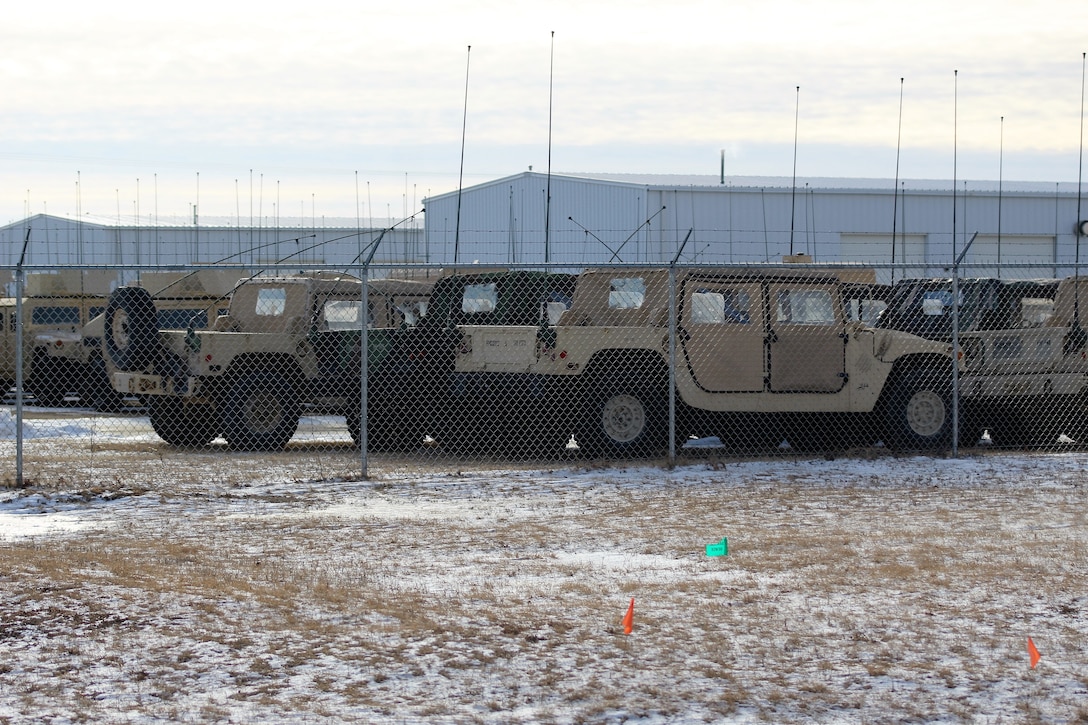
x: 33, y: 429
x: 869, y: 589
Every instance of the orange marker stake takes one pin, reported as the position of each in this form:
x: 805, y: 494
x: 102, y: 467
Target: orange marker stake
x: 1033, y: 653
x: 629, y: 618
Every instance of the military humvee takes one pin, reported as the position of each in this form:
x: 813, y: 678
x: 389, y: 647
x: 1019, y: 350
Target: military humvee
x: 752, y: 347
x: 182, y: 300
x: 1026, y: 382
x: 286, y: 342
x: 7, y: 342
x: 415, y: 389
x: 56, y: 307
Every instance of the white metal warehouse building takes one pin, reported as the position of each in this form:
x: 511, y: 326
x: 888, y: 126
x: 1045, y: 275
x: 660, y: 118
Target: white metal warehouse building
x: 645, y: 219
x: 90, y: 242
x: 581, y: 220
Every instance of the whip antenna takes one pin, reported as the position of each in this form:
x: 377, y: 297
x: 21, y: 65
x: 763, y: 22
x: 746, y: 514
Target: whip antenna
x: 895, y: 189
x: 548, y: 192
x: 1077, y: 336
x: 793, y: 196
x: 461, y: 176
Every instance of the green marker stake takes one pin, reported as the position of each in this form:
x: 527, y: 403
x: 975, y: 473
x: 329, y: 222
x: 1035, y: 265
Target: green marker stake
x: 719, y: 549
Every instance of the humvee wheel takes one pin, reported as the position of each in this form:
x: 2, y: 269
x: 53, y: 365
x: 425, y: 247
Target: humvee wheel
x: 919, y: 412
x: 131, y: 328
x: 624, y: 419
x: 260, y: 412
x: 48, y: 382
x: 625, y: 422
x: 192, y: 425
x: 95, y: 390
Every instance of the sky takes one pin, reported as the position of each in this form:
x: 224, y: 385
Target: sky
x: 142, y: 111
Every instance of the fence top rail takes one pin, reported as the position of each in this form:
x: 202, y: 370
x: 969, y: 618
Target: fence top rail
x: 8, y: 271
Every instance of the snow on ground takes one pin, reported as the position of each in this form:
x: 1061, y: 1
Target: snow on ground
x: 863, y: 589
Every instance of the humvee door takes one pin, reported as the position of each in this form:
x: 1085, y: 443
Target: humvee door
x: 806, y: 336
x: 722, y: 329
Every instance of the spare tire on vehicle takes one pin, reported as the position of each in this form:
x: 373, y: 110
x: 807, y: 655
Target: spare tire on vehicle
x: 131, y: 329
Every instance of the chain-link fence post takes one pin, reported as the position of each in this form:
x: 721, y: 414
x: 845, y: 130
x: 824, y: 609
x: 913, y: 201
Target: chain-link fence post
x: 364, y: 389
x: 672, y: 364
x: 955, y: 360
x: 19, y: 375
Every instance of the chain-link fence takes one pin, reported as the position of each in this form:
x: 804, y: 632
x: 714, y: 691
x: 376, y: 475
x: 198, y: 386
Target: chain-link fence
x: 137, y: 374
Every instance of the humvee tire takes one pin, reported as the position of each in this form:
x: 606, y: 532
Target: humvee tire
x: 132, y: 329
x: 918, y: 411
x: 192, y: 425
x: 260, y: 412
x: 625, y: 420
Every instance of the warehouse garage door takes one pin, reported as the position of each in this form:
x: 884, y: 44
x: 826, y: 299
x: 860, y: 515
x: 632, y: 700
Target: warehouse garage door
x: 910, y: 249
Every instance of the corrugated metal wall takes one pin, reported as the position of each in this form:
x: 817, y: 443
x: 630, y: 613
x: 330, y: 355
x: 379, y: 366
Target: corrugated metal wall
x: 595, y: 222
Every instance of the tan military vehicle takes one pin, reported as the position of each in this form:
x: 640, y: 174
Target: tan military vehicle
x: 1028, y: 384
x: 56, y: 307
x: 7, y: 343
x: 759, y: 354
x: 182, y: 300
x: 286, y: 342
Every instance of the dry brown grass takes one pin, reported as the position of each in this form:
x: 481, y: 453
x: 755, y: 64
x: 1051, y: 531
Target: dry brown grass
x: 856, y: 601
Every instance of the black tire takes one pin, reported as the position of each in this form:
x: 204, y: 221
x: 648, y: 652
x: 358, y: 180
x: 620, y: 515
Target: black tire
x: 626, y: 421
x: 104, y: 399
x: 384, y: 431
x: 354, y: 420
x: 131, y: 333
x: 96, y: 391
x: 49, y: 381
x: 182, y: 423
x: 918, y: 411
x: 260, y: 412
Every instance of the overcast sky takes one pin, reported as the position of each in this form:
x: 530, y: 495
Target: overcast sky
x: 325, y: 109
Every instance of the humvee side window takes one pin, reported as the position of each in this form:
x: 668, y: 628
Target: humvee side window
x: 714, y: 307
x: 95, y: 312
x: 805, y: 307
x: 410, y: 311
x: 555, y: 304
x: 627, y: 293
x: 344, y: 314
x: 866, y: 310
x: 480, y: 298
x: 934, y: 303
x: 1034, y: 312
x: 271, y: 301
x: 55, y: 316
x: 180, y: 319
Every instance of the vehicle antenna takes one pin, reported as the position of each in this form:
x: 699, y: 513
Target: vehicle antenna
x: 895, y: 189
x: 1000, y: 182
x: 1077, y: 336
x: 548, y: 192
x: 460, y: 178
x: 793, y: 197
